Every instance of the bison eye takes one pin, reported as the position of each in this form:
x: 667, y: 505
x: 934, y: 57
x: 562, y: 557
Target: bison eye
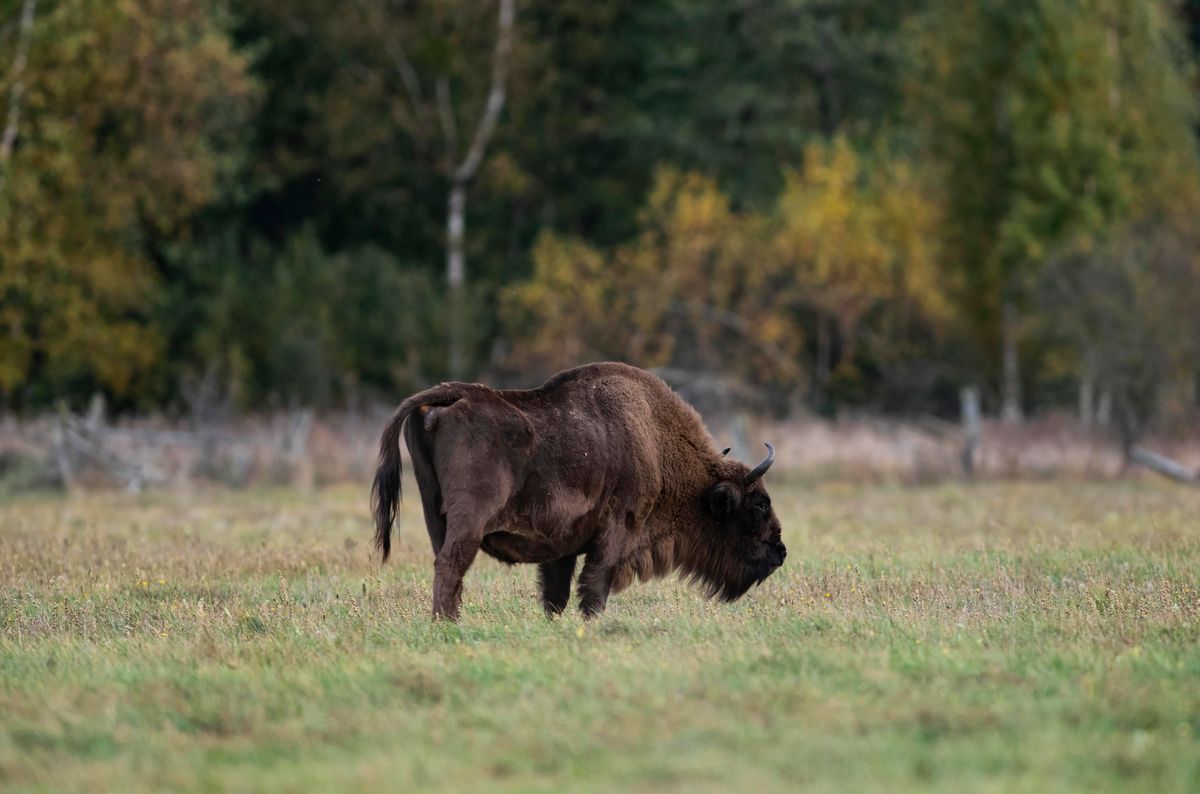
x: 760, y: 510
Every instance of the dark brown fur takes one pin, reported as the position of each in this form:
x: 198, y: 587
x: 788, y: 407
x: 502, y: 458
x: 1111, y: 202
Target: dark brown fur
x: 603, y: 461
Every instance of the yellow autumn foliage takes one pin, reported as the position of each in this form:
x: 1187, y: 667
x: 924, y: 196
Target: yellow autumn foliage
x: 705, y: 287
x: 854, y: 234
x: 120, y: 142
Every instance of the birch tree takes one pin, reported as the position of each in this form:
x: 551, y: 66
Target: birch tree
x: 431, y: 104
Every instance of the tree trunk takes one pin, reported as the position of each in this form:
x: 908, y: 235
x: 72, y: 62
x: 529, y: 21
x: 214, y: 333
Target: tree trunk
x: 969, y: 400
x: 1104, y: 409
x: 459, y: 175
x: 462, y: 175
x: 824, y: 359
x: 1010, y: 412
x: 1087, y: 396
x: 455, y: 276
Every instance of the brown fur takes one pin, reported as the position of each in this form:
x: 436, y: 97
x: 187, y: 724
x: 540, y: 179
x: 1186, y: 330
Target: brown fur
x: 603, y: 461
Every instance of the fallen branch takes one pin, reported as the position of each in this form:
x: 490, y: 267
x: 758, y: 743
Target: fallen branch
x: 76, y: 436
x: 1164, y: 465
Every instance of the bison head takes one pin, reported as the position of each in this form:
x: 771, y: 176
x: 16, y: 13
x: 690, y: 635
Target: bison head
x: 744, y: 547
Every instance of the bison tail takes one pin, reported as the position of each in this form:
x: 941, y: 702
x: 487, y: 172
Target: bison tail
x: 385, y: 492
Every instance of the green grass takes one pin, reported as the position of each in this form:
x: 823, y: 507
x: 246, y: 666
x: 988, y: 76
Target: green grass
x: 1039, y: 637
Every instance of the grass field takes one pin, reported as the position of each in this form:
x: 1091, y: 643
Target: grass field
x: 1037, y: 637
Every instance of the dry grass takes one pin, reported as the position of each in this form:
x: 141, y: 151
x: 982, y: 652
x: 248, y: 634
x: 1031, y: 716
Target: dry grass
x: 877, y: 449
x: 997, y: 637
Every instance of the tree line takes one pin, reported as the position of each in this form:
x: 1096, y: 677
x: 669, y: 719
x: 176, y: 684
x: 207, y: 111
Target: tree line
x: 855, y: 204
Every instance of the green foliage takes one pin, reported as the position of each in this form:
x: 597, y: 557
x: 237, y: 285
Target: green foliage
x: 829, y: 201
x: 299, y: 325
x: 737, y: 89
x: 1050, y: 122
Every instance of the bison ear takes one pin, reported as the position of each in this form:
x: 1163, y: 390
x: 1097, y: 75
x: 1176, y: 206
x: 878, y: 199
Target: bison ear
x: 724, y: 499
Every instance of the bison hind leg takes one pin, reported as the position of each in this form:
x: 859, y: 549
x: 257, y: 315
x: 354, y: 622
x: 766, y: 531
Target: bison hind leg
x: 555, y: 578
x: 420, y: 449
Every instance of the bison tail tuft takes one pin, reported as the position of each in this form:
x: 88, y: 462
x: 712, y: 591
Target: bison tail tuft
x: 385, y: 493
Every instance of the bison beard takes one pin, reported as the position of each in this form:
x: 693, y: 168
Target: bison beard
x: 603, y: 461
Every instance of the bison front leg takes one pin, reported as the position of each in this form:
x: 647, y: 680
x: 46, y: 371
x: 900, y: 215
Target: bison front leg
x: 556, y: 584
x: 595, y: 582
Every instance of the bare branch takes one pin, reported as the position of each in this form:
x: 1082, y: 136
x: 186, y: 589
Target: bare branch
x: 743, y: 328
x: 403, y: 66
x: 446, y: 114
x: 496, y: 95
x: 17, y: 91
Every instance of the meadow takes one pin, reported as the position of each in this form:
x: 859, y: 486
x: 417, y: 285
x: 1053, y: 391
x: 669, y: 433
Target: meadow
x: 1040, y: 636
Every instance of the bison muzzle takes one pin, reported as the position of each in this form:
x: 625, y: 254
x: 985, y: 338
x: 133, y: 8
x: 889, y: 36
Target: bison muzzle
x: 603, y: 461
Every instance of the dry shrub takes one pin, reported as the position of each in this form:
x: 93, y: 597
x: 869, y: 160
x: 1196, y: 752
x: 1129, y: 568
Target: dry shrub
x: 286, y: 449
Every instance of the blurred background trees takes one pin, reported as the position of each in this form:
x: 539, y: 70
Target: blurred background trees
x: 861, y: 204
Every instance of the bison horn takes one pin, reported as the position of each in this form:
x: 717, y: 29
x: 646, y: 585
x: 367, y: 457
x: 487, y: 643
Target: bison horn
x: 761, y: 469
x: 725, y: 451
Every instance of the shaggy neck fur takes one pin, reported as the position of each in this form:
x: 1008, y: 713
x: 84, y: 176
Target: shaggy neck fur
x: 707, y: 553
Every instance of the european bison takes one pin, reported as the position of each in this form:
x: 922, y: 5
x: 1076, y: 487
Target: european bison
x: 603, y: 461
